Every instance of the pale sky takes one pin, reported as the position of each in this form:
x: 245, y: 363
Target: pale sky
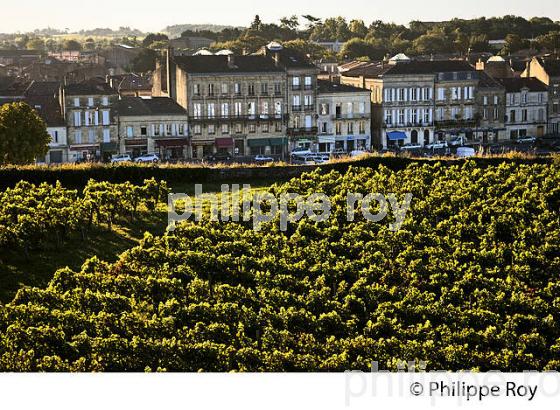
x: 154, y: 16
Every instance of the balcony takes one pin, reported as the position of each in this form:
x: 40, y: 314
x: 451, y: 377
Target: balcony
x: 302, y: 131
x: 309, y: 107
x: 308, y: 87
x: 456, y: 123
x: 409, y: 125
x: 296, y: 87
x: 351, y: 116
x: 296, y: 108
x: 233, y: 117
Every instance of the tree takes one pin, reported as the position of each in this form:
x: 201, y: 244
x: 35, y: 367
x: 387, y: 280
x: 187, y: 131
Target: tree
x: 36, y: 43
x: 356, y: 48
x: 23, y: 134
x: 513, y: 43
x: 153, y: 38
x: 71, y: 45
x: 358, y: 28
x: 311, y: 21
x: 289, y: 23
x: 89, y: 44
x: 256, y: 25
x: 145, y: 61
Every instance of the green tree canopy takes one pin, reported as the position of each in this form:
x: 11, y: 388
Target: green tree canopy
x: 23, y: 134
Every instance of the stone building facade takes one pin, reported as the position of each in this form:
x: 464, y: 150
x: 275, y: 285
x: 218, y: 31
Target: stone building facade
x: 548, y: 72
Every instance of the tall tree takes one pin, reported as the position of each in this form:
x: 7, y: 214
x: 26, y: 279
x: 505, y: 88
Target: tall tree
x: 23, y: 134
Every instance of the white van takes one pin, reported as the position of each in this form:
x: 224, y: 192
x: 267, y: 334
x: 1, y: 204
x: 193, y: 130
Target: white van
x: 465, y: 152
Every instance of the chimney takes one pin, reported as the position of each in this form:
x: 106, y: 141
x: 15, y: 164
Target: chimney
x: 231, y: 61
x: 276, y: 58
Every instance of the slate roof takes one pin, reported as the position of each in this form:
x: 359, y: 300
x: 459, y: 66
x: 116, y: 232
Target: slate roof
x: 330, y: 87
x: 43, y: 88
x: 486, y: 81
x: 375, y: 70
x: 138, y: 107
x: 552, y: 67
x: 219, y: 64
x: 90, y: 87
x: 514, y: 85
x: 48, y: 108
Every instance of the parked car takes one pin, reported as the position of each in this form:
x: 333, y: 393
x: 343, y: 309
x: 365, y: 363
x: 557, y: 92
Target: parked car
x: 437, y: 145
x: 148, y: 158
x: 357, y: 153
x: 465, y: 152
x: 220, y: 156
x: 321, y: 159
x: 301, y: 151
x: 263, y: 159
x: 115, y: 159
x: 526, y: 140
x: 457, y: 142
x: 305, y: 159
x: 408, y: 147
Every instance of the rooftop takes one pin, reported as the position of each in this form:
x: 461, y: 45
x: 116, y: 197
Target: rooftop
x: 219, y: 64
x: 516, y: 84
x: 90, y: 87
x: 374, y: 70
x: 326, y: 87
x: 551, y: 66
x: 136, y: 106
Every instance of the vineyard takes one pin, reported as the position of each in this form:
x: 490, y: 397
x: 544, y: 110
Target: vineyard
x: 470, y: 281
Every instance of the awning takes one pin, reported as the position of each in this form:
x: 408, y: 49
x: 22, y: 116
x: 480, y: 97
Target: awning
x: 396, y: 136
x: 136, y: 142
x: 258, y: 142
x: 323, y: 139
x: 176, y: 142
x: 277, y: 142
x: 224, y: 142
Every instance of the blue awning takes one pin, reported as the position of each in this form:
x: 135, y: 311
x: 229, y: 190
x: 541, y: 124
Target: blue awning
x: 396, y: 136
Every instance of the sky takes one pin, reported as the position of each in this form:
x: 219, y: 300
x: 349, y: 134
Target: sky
x: 154, y: 16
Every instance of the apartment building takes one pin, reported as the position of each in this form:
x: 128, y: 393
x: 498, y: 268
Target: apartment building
x: 526, y: 107
x: 236, y: 104
x: 301, y: 94
x: 152, y: 126
x: 344, y: 121
x: 547, y: 70
x: 491, y: 109
x: 91, y: 128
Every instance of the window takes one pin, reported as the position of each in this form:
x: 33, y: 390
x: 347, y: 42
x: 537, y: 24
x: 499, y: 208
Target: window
x: 264, y: 88
x: 401, y: 116
x: 485, y: 113
x: 251, y: 109
x: 264, y: 109
x: 211, y: 110
x: 427, y: 93
x: 77, y: 119
x: 296, y: 83
x: 485, y: 100
x: 524, y: 98
x: 388, y: 117
x: 455, y: 93
x: 225, y: 110
x: 541, y: 115
x: 401, y: 96
x: 211, y: 129
x: 496, y: 100
x: 512, y: 116
x: 362, y: 127
x: 90, y: 102
x: 277, y: 88
x: 524, y: 115
x: 105, y: 101
x: 88, y: 118
x: 225, y: 129
x: 308, y: 101
x: 143, y: 131
x: 265, y: 127
x: 182, y: 129
x: 91, y: 136
x: 441, y: 94
x: 496, y: 113
x: 106, y: 135
x: 197, y: 89
x: 197, y: 110
x: 105, y: 117
x: 78, y: 137
x: 55, y: 136
x: 338, y: 128
x: 168, y: 129
x: 251, y: 89
x: 324, y: 128
x: 414, y: 116
x: 252, y: 128
x: 238, y: 109
x: 278, y: 127
x: 297, y: 102
x: 76, y: 102
x: 427, y: 116
x: 350, y: 128
x: 324, y: 109
x: 157, y: 130
x: 555, y: 108
x: 197, y: 129
x: 413, y: 94
x: 278, y: 108
x: 308, y: 83
x: 129, y: 132
x: 362, y: 108
x: 237, y: 88
x: 210, y: 89
x: 238, y: 128
x: 225, y: 88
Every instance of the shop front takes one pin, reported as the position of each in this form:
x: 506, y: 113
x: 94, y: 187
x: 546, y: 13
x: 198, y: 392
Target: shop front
x: 172, y: 149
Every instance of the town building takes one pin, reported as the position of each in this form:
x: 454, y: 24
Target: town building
x: 344, y: 118
x: 547, y: 70
x: 152, y: 126
x: 301, y: 94
x: 131, y: 85
x: 526, y: 107
x: 92, y: 131
x: 417, y: 102
x: 491, y: 110
x: 236, y: 104
x: 190, y: 43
